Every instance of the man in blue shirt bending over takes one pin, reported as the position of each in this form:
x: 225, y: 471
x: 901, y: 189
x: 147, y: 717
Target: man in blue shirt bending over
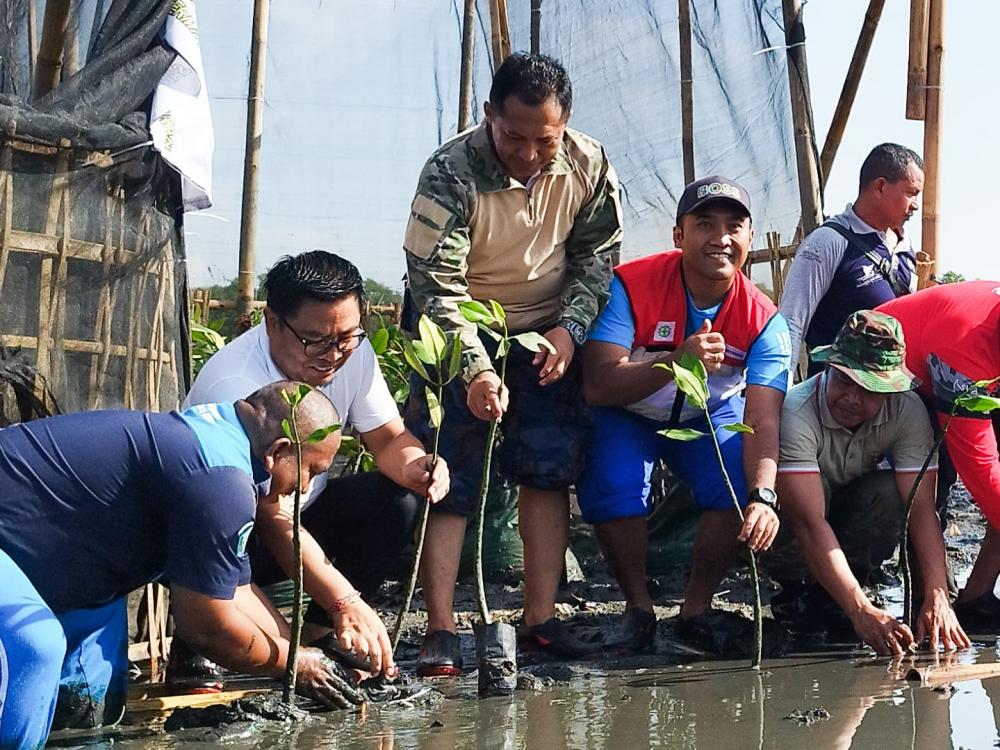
x: 96, y: 504
x: 692, y: 300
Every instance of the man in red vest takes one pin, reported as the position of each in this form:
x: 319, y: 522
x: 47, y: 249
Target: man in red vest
x: 692, y: 300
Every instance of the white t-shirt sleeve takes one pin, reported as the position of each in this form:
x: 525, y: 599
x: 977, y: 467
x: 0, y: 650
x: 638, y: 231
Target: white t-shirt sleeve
x: 372, y: 405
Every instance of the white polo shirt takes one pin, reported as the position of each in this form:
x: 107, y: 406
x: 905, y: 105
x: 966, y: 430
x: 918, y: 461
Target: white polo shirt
x: 358, y: 389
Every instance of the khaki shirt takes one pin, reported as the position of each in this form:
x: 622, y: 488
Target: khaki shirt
x: 812, y: 441
x: 541, y: 250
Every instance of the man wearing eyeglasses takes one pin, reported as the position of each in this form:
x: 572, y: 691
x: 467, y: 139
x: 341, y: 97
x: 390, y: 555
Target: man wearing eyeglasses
x: 312, y: 332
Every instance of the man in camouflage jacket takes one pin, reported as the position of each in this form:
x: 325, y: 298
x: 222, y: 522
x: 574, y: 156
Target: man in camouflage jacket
x: 522, y: 210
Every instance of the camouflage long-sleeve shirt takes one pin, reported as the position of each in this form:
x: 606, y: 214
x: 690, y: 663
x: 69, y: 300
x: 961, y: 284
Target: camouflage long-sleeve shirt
x: 545, y: 254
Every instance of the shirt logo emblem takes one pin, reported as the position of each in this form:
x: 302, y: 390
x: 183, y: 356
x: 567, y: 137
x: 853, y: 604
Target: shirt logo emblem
x: 664, y: 332
x: 242, y: 537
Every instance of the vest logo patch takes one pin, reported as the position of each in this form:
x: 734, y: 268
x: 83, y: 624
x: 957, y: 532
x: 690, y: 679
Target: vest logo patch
x: 664, y: 332
x: 242, y: 537
x: 733, y: 353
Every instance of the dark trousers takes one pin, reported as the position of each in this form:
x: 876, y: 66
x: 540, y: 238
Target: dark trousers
x: 363, y: 522
x: 866, y: 517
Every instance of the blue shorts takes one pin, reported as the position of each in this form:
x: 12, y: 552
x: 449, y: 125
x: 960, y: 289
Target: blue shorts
x: 615, y: 482
x: 78, y: 657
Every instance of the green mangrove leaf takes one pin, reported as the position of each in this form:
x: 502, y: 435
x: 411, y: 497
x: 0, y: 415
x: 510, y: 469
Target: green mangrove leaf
x: 476, y: 312
x: 691, y: 386
x: 490, y: 332
x: 455, y: 362
x: 683, y: 434
x: 738, y: 427
x: 503, y: 348
x: 286, y: 428
x: 978, y: 404
x: 287, y: 397
x: 986, y: 383
x: 696, y: 366
x: 424, y: 354
x: 534, y: 342
x: 303, y: 389
x: 413, y: 360
x: 433, y: 339
x: 318, y: 436
x: 380, y: 340
x: 497, y: 310
x: 434, y: 407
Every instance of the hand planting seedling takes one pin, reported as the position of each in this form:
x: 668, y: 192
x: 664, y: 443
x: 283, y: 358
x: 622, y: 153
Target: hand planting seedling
x: 443, y: 356
x: 692, y: 380
x: 289, y: 426
x: 496, y: 643
x: 975, y: 399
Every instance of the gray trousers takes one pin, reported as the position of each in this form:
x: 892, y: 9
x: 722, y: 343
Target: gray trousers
x: 866, y: 517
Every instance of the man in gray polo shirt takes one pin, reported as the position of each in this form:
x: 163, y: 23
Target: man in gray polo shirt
x: 837, y: 430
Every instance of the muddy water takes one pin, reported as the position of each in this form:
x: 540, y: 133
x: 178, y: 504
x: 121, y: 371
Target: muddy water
x: 708, y: 705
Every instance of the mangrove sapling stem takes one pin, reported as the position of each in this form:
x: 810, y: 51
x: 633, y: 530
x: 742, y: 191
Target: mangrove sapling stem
x: 758, y: 613
x: 484, y: 490
x: 904, y: 545
x: 421, y: 534
x: 291, y: 668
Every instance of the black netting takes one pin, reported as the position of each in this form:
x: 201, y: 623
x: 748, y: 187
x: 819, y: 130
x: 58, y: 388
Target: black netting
x: 92, y: 296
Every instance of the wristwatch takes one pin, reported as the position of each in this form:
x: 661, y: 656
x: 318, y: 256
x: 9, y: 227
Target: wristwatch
x: 576, y: 331
x: 766, y: 496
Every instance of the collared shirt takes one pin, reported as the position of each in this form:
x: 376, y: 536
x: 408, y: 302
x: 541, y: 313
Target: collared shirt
x: 543, y: 252
x: 812, y: 441
x: 816, y: 262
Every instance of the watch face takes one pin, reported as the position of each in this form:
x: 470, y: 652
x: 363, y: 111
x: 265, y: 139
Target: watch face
x: 766, y: 496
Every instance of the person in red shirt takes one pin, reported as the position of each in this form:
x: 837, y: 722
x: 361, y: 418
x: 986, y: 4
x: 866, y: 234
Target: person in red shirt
x: 952, y: 336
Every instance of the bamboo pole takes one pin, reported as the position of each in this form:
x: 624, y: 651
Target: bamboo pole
x: 32, y: 37
x: 687, y: 95
x: 49, y: 60
x: 251, y: 165
x: 916, y: 72
x: 499, y: 32
x: 465, y: 79
x: 536, y: 26
x: 802, y: 120
x: 850, y: 90
x: 932, y: 130
x: 933, y: 676
x: 71, y: 51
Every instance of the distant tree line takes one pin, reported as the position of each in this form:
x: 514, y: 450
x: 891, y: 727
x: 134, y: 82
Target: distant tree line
x: 378, y: 293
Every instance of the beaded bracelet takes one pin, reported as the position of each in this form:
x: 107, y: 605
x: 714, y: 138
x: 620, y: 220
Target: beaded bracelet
x: 345, y: 601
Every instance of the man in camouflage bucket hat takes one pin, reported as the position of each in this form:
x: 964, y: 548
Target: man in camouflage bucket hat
x: 526, y: 211
x: 852, y: 440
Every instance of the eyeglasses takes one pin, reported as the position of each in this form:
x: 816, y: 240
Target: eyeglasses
x: 319, y: 347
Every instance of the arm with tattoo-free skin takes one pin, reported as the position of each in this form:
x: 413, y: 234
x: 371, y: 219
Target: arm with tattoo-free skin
x: 401, y: 457
x: 760, y: 462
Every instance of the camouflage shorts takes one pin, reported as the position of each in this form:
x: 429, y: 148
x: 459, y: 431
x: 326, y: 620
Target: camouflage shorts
x: 543, y: 436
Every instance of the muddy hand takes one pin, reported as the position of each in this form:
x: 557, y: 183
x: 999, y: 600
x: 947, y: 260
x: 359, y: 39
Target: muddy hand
x: 882, y: 631
x: 360, y: 631
x: 937, y: 620
x: 325, y: 681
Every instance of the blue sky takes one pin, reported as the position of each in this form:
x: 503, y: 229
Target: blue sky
x: 351, y: 116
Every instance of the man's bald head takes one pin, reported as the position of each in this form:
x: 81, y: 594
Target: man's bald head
x: 262, y: 413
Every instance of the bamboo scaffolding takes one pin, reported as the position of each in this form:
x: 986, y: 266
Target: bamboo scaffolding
x: 850, y: 91
x: 465, y: 76
x: 802, y: 119
x: 49, y: 58
x: 499, y: 32
x: 251, y: 165
x: 916, y: 70
x: 932, y: 131
x: 536, y: 26
x: 687, y: 95
x: 32, y: 37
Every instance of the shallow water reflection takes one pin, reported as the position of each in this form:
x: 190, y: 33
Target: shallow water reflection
x: 707, y: 705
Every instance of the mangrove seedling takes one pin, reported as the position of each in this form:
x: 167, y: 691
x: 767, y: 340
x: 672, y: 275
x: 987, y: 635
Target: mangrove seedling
x: 692, y: 380
x: 289, y: 426
x: 975, y: 399
x: 495, y: 642
x: 437, y: 359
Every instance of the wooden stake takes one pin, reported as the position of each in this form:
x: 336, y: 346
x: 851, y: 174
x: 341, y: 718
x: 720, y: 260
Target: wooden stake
x: 932, y: 131
x: 802, y: 119
x: 32, y: 37
x: 251, y: 165
x: 687, y: 95
x: 465, y: 80
x: 536, y: 26
x: 50, y: 52
x: 500, y: 33
x: 916, y: 72
x: 850, y: 90
x: 933, y: 676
